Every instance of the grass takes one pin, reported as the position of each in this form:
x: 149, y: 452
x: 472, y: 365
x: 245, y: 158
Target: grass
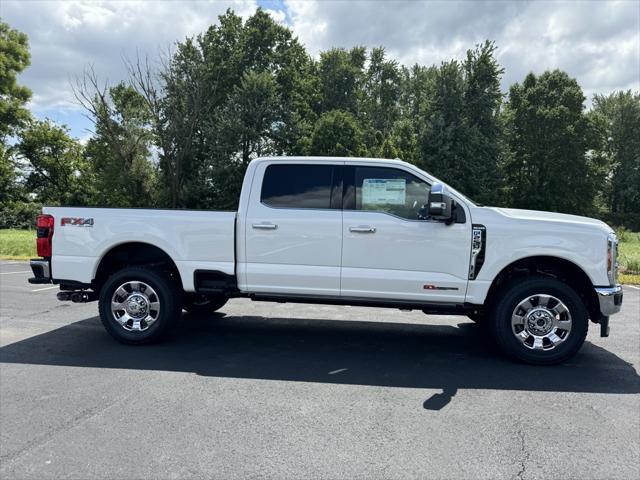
x: 629, y: 256
x: 21, y: 245
x: 17, y: 244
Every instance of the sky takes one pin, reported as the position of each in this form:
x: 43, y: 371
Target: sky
x: 597, y: 42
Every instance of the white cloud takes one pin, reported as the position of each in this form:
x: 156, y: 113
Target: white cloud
x: 280, y: 16
x: 597, y: 42
x: 67, y: 36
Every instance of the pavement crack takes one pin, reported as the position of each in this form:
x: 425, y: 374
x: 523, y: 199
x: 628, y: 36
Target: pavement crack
x: 524, y: 454
x: 73, y: 422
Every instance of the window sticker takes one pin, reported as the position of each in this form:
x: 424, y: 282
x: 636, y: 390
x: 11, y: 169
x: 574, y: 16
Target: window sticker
x: 384, y: 191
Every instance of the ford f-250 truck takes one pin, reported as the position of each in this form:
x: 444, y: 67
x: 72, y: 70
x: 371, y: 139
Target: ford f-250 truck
x: 366, y: 232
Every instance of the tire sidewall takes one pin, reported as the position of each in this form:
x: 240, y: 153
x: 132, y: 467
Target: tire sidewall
x: 514, y: 294
x: 165, y: 288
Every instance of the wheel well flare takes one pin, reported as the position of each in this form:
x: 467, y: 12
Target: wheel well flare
x: 555, y: 267
x: 133, y: 253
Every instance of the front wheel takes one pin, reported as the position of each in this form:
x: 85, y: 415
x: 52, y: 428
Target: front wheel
x: 539, y: 320
x: 138, y: 305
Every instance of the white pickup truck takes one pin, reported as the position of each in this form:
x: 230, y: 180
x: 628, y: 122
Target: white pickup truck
x: 343, y: 231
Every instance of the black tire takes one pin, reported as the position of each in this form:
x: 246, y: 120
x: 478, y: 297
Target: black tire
x: 168, y: 296
x: 509, y: 298
x: 204, y: 303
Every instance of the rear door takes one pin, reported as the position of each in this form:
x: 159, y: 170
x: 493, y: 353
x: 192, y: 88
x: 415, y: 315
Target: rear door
x: 294, y: 229
x: 389, y: 251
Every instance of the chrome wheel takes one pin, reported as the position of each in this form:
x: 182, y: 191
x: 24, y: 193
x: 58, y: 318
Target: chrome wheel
x: 135, y: 306
x: 541, y: 322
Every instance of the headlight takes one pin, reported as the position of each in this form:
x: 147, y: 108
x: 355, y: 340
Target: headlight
x: 612, y: 258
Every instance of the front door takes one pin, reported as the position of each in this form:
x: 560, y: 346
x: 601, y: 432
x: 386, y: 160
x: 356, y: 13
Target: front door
x: 294, y: 230
x: 388, y: 251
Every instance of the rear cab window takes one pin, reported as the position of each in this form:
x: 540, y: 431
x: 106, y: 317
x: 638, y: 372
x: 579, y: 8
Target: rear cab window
x: 302, y: 186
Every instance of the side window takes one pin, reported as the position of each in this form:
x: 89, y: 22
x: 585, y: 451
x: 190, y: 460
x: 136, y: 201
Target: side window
x: 390, y: 190
x: 297, y: 186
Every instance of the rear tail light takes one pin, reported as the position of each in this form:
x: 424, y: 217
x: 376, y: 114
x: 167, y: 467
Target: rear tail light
x: 44, y: 224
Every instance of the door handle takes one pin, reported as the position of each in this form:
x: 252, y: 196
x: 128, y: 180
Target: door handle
x: 362, y: 229
x: 265, y: 226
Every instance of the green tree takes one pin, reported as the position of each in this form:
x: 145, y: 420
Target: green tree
x: 341, y: 75
x: 405, y: 140
x: 337, y: 133
x: 14, y: 58
x: 179, y: 106
x: 120, y: 151
x: 548, y: 136
x: 455, y: 109
x: 441, y: 124
x: 205, y: 129
x: 53, y: 165
x: 381, y: 92
x: 247, y: 128
x: 416, y: 101
x: 483, y: 133
x: 618, y: 118
x: 7, y: 177
x: 271, y: 48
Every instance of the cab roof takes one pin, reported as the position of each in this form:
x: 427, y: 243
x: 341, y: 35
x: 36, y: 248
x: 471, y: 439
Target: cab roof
x: 351, y: 160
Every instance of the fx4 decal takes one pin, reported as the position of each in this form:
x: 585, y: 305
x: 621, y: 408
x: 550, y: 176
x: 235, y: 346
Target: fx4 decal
x: 78, y: 222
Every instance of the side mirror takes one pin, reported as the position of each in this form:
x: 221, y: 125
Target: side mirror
x: 439, y: 204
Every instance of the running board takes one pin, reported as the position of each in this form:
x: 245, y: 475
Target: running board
x: 426, y: 307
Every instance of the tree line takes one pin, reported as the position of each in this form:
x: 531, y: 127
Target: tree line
x: 180, y: 133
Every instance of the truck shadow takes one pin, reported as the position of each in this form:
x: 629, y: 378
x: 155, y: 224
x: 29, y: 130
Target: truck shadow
x: 329, y: 351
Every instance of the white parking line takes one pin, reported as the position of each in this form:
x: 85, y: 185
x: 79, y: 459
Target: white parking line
x: 11, y: 273
x: 633, y: 286
x: 45, y: 288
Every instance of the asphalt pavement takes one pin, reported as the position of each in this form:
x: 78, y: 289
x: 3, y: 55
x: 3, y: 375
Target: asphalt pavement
x: 298, y: 391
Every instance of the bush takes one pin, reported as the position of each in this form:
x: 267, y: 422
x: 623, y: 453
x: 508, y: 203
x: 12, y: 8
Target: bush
x: 19, y: 214
x: 630, y: 221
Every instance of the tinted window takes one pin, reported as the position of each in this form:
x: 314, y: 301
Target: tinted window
x: 297, y: 186
x: 390, y: 191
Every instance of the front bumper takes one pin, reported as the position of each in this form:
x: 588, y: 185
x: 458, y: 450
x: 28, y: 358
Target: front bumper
x: 610, y: 299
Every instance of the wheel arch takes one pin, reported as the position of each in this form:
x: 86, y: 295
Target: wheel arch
x: 555, y: 267
x: 129, y: 254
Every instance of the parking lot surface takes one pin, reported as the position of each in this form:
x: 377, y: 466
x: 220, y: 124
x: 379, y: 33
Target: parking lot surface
x: 299, y: 391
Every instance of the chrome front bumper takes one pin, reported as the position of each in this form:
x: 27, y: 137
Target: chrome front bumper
x: 610, y: 299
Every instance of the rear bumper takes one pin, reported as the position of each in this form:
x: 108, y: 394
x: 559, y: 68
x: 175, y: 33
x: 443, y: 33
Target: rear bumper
x: 41, y: 271
x: 610, y: 299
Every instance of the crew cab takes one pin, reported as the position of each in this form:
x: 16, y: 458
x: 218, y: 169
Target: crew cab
x: 344, y: 231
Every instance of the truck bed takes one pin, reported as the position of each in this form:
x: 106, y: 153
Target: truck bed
x: 195, y: 240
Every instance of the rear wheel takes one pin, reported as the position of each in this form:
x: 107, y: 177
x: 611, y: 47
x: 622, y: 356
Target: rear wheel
x: 199, y: 303
x: 138, y: 305
x: 539, y: 320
